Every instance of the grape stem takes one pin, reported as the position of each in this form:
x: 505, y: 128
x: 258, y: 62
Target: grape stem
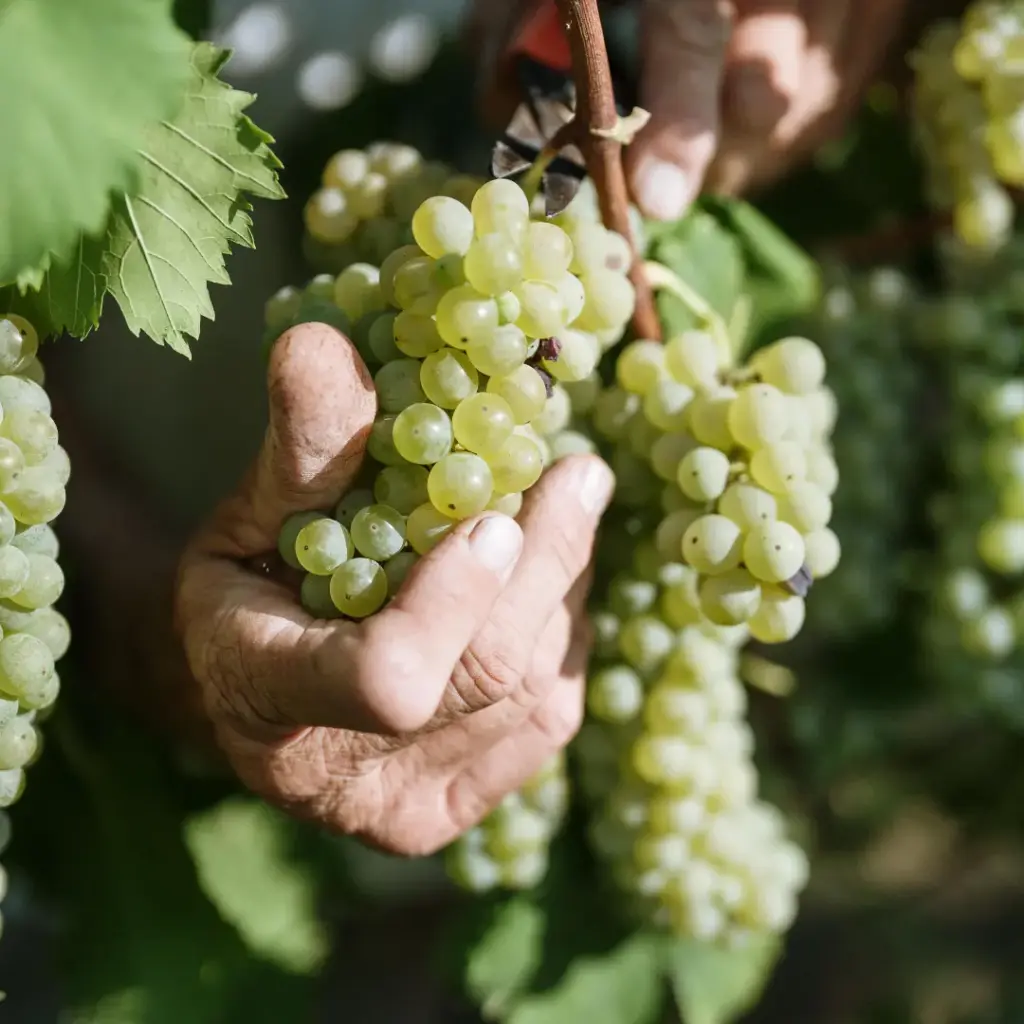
x: 660, y: 278
x: 597, y: 113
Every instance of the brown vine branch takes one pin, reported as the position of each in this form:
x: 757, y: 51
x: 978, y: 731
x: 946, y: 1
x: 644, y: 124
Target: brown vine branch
x: 597, y: 114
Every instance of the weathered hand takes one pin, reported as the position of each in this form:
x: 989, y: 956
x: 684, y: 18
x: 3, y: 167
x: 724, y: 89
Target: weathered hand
x: 738, y: 90
x: 408, y: 727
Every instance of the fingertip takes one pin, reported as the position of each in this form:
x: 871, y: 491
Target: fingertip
x: 588, y: 479
x: 683, y: 48
x: 309, y: 357
x: 496, y: 542
x: 662, y: 188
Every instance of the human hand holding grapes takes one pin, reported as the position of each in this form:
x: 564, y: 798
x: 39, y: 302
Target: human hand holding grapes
x: 408, y: 727
x: 738, y: 90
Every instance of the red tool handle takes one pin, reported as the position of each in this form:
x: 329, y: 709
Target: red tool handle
x: 542, y: 38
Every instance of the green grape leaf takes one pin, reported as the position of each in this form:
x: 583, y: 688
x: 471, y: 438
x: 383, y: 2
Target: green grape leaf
x: 506, y: 956
x: 145, y: 945
x: 708, y: 258
x: 624, y: 985
x: 82, y: 83
x: 63, y: 294
x: 165, y: 242
x: 782, y: 278
x: 31, y: 278
x: 241, y: 852
x: 712, y: 985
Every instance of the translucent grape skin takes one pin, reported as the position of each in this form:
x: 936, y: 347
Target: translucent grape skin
x: 422, y: 433
x: 378, y: 532
x: 447, y: 377
x: 461, y: 485
x: 402, y: 487
x: 359, y: 587
x: 426, y: 527
x: 524, y: 391
x: 516, y: 466
x: 321, y: 545
x: 483, y: 423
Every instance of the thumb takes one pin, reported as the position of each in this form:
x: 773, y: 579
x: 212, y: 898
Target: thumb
x: 322, y: 406
x: 684, y: 47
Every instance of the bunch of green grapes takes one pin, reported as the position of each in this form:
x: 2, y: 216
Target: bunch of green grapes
x: 34, y: 470
x: 364, y: 207
x: 968, y: 107
x: 665, y: 759
x: 975, y: 623
x: 469, y: 333
x: 740, y: 461
x: 862, y: 326
x: 509, y: 848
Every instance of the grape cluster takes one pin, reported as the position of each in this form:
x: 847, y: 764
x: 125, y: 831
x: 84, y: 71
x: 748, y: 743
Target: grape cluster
x: 509, y: 848
x: 969, y: 117
x: 666, y: 759
x: 474, y: 333
x: 741, y: 461
x: 367, y: 198
x: 974, y: 628
x: 34, y: 470
x: 862, y: 325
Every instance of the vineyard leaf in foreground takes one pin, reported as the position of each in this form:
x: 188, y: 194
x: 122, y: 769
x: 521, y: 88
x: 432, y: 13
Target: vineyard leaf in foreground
x: 717, y: 986
x: 82, y: 83
x: 166, y: 241
x: 242, y: 856
x: 145, y: 945
x: 621, y: 986
x: 506, y: 956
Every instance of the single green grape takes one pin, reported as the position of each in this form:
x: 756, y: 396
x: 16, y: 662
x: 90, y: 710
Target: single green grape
x: 289, y: 534
x: 516, y: 466
x: 315, y: 596
x: 447, y: 377
x: 483, y: 422
x: 398, y: 385
x: 26, y: 665
x: 423, y: 433
x: 44, y: 584
x: 349, y: 505
x: 524, y: 391
x: 415, y: 286
x: 500, y: 206
x: 442, y: 225
x: 12, y: 462
x: 415, y: 335
x: 14, y: 570
x: 463, y: 314
x: 493, y: 264
x: 547, y: 250
x: 542, y: 310
x: 426, y: 527
x: 47, y: 624
x: 401, y: 487
x: 322, y: 545
x: 381, y: 443
x: 498, y: 352
x: 378, y: 532
x: 461, y: 485
x: 398, y: 567
x: 358, y: 588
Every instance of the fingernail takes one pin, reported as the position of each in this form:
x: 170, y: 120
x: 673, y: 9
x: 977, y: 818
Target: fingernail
x: 497, y: 541
x: 662, y: 188
x: 596, y: 487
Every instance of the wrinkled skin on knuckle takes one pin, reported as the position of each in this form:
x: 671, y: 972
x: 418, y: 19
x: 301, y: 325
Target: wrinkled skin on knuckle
x: 488, y: 672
